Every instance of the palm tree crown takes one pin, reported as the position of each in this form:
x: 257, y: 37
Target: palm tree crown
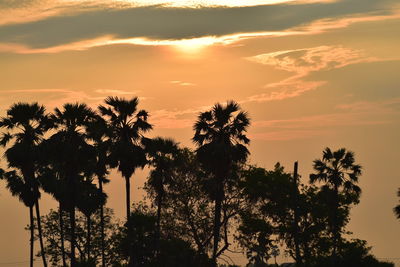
x: 127, y: 125
x: 220, y: 137
x: 337, y: 169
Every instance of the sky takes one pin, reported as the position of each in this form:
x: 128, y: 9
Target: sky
x: 310, y: 73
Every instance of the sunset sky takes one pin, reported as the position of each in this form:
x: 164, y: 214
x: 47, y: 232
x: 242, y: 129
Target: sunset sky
x: 310, y: 73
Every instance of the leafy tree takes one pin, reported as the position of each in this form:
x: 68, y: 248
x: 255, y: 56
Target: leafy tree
x: 339, y: 172
x: 279, y: 210
x: 221, y: 145
x: 26, y: 125
x: 113, y: 234
x: 187, y: 208
x: 127, y: 126
x: 173, y: 252
x: 354, y: 252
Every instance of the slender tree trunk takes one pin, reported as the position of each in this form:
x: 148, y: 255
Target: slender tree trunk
x: 32, y: 226
x: 335, y: 230
x: 61, y: 220
x: 299, y: 260
x: 72, y: 219
x: 88, y: 226
x: 128, y: 197
x: 103, y: 258
x: 217, y: 220
x: 40, y: 233
x: 158, y: 231
x: 128, y: 211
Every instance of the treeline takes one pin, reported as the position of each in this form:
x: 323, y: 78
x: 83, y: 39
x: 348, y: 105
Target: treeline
x: 203, y: 203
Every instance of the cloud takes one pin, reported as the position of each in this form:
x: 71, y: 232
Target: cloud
x: 304, y: 61
x: 181, y: 83
x: 152, y: 25
x: 176, y: 119
x: 284, y: 90
x: 300, y: 63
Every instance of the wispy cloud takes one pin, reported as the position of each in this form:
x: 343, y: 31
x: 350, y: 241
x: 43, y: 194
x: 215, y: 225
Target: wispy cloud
x: 302, y: 62
x: 124, y: 23
x: 181, y: 83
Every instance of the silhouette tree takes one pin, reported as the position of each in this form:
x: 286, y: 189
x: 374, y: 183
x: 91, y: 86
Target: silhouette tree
x: 113, y: 236
x: 187, y: 209
x: 339, y: 173
x: 397, y: 208
x: 162, y: 153
x: 71, y: 154
x: 99, y: 133
x: 23, y: 189
x: 26, y: 125
x: 127, y: 125
x: 278, y: 209
x: 221, y: 141
x: 89, y: 200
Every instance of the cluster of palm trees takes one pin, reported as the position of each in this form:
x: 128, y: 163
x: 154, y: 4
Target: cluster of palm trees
x: 68, y: 154
x: 62, y: 153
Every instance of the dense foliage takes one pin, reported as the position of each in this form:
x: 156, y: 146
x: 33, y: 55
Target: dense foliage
x: 200, y: 204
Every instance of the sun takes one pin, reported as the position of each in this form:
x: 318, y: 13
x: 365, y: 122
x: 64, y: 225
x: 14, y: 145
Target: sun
x: 193, y: 46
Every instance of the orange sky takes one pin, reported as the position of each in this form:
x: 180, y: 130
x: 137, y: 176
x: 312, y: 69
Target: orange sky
x: 311, y: 74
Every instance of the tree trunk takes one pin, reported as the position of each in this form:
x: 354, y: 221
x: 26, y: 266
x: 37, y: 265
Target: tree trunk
x: 103, y: 260
x: 299, y: 260
x: 128, y: 211
x: 158, y: 230
x: 128, y: 197
x: 40, y: 233
x: 32, y: 226
x: 72, y: 219
x: 217, y: 220
x: 88, y: 225
x: 335, y: 230
x: 61, y: 220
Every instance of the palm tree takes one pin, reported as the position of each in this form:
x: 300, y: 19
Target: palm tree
x: 22, y: 188
x: 71, y: 155
x: 127, y: 125
x: 162, y: 153
x: 27, y: 124
x: 222, y: 144
x: 397, y: 208
x: 339, y: 172
x: 98, y: 133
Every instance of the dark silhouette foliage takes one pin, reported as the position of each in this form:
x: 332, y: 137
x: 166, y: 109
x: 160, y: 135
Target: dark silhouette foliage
x: 203, y: 202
